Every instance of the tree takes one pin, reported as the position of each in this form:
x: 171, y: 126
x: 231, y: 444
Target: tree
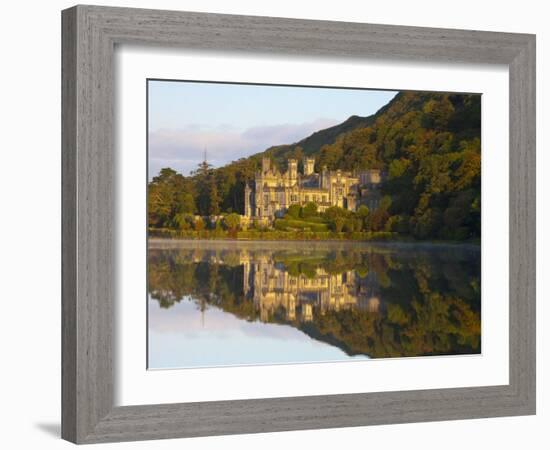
x: 427, y: 224
x: 385, y: 203
x: 350, y: 225
x: 338, y: 224
x: 335, y: 211
x: 399, y: 223
x: 185, y: 203
x: 336, y: 217
x: 363, y: 217
x: 198, y: 224
x: 398, y: 167
x: 166, y: 197
x: 293, y: 211
x: 214, y: 199
x: 165, y: 175
x: 468, y: 173
x: 203, y: 182
x: 183, y: 221
x: 437, y: 113
x: 159, y: 205
x: 298, y: 153
x: 218, y: 225
x: 232, y: 222
x: 378, y: 219
x: 308, y: 210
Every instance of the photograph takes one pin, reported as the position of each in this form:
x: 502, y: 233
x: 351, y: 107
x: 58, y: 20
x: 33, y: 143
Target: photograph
x: 302, y: 224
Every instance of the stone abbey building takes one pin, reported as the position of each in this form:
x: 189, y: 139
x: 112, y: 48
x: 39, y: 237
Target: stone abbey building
x: 272, y: 191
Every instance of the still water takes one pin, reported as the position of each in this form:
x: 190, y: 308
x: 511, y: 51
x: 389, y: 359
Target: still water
x: 218, y: 303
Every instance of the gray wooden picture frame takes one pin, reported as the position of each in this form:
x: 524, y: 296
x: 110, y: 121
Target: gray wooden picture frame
x: 90, y: 34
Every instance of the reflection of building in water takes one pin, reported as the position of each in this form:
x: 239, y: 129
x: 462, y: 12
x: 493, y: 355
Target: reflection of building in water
x: 273, y: 288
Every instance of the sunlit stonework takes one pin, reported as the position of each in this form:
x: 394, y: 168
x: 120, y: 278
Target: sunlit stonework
x: 273, y: 191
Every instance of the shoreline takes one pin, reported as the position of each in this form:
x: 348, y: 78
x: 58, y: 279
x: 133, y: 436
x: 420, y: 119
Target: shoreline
x: 154, y: 241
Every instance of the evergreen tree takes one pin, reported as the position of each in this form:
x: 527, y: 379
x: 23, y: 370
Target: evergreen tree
x: 213, y: 197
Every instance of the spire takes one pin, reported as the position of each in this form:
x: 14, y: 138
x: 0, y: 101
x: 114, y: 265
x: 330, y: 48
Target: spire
x: 205, y: 154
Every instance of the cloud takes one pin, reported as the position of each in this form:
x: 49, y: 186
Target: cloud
x: 182, y: 149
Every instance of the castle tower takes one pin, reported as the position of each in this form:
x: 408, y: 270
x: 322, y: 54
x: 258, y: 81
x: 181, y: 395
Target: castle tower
x: 293, y: 169
x: 309, y: 166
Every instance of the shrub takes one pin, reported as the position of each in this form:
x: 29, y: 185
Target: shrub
x: 232, y: 221
x: 198, y: 224
x: 338, y: 224
x: 183, y: 221
x: 378, y: 219
x: 293, y: 211
x: 290, y: 224
x: 309, y: 210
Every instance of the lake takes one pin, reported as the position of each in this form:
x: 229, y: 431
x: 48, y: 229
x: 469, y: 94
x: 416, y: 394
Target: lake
x: 221, y: 303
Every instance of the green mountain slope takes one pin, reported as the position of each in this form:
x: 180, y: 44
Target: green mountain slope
x: 311, y: 145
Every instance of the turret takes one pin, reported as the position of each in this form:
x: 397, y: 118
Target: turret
x: 325, y: 178
x: 292, y: 169
x: 309, y: 166
x: 247, y: 206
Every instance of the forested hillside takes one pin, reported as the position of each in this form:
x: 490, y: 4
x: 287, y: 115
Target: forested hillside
x: 427, y: 144
x: 311, y: 145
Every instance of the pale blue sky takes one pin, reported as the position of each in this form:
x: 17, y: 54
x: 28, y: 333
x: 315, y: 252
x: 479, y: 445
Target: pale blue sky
x: 183, y: 337
x: 236, y: 120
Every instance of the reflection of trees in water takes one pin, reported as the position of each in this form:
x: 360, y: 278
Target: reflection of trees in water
x: 381, y: 302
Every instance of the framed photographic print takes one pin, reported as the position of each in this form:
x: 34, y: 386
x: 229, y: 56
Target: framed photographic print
x: 268, y: 222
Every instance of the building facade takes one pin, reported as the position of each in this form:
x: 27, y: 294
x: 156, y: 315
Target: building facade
x: 273, y: 192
